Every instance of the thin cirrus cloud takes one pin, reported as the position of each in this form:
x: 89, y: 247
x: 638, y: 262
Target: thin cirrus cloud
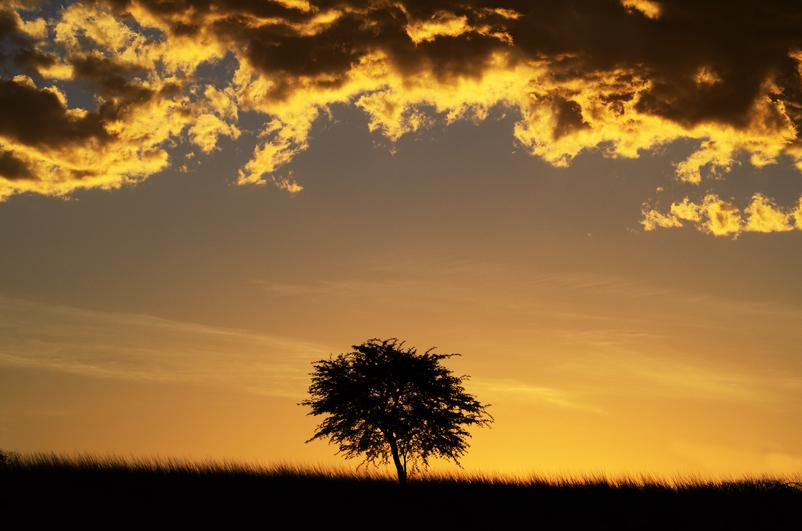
x: 622, y: 77
x: 145, y: 348
x: 516, y: 390
x: 142, y: 347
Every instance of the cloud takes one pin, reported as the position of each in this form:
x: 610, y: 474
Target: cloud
x: 648, y: 8
x: 507, y: 389
x: 143, y: 347
x: 18, y: 38
x: 669, y: 377
x: 13, y: 168
x: 797, y: 215
x: 764, y: 216
x: 39, y: 119
x: 718, y: 217
x: 622, y: 77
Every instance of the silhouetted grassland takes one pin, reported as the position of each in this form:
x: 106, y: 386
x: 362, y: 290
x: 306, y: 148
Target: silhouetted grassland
x: 114, y: 493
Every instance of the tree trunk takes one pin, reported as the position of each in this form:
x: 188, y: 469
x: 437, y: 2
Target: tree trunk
x: 399, y: 467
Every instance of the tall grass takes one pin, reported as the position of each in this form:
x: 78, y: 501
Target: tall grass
x: 176, y: 467
x: 50, y: 491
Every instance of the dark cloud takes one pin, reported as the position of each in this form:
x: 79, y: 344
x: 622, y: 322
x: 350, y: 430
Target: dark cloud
x: 38, y: 118
x: 276, y: 48
x: 12, y: 168
x: 585, y: 64
x: 743, y: 42
x: 569, y: 117
x: 8, y: 23
x: 17, y: 49
x: 177, y: 12
x: 448, y: 57
x: 115, y: 81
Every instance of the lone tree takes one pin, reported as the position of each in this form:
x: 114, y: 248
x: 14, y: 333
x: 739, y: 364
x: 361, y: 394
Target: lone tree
x: 385, y: 401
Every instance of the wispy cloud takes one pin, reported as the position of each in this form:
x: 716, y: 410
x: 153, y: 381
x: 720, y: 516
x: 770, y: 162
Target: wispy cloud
x: 538, y: 394
x: 135, y: 346
x: 672, y: 377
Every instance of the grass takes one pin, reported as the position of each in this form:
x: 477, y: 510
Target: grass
x: 114, y: 491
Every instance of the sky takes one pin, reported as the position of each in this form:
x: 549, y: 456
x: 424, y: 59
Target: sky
x: 598, y: 204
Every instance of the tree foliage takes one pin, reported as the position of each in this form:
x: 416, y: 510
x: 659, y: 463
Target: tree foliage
x: 386, y: 402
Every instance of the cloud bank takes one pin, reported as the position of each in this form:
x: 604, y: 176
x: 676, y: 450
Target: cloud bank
x: 621, y: 77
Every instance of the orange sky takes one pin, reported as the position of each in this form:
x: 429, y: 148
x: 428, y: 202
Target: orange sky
x: 195, y: 204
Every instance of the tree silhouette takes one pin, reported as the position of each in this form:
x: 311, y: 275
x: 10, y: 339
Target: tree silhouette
x: 385, y: 401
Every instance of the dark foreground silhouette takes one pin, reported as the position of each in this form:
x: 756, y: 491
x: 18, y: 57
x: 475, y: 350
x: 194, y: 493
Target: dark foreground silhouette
x: 384, y: 400
x: 115, y: 494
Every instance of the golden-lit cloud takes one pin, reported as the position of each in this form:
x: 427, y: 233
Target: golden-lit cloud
x: 442, y: 24
x: 574, y: 86
x: 719, y: 217
x: 649, y: 8
x: 652, y: 219
x: 764, y: 216
x: 55, y: 148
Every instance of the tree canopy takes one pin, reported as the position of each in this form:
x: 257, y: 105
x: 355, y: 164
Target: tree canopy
x: 386, y: 402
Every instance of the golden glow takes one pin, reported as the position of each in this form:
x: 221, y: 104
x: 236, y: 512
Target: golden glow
x: 652, y: 219
x: 621, y: 359
x: 649, y: 8
x: 764, y: 216
x: 36, y: 28
x: 686, y: 210
x: 723, y: 219
x: 706, y: 76
x: 441, y: 24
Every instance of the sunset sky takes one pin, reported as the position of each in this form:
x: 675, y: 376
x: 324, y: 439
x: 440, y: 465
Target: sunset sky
x: 597, y: 203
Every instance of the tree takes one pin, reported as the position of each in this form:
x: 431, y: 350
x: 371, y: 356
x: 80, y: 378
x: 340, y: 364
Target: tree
x: 385, y: 401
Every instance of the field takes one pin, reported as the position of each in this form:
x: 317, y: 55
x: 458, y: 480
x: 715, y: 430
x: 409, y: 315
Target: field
x: 115, y: 493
